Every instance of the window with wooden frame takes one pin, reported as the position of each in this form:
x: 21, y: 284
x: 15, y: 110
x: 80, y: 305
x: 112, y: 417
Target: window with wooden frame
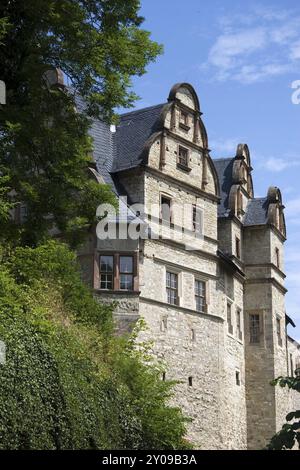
x: 183, y: 157
x: 254, y: 328
x: 278, y: 331
x: 229, y: 318
x: 118, y: 271
x: 238, y: 247
x: 166, y: 208
x: 172, y: 288
x: 200, y: 297
x: 239, y: 324
x: 106, y: 272
x: 126, y: 272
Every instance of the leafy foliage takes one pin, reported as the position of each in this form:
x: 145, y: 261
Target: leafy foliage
x: 289, y: 435
x: 44, y: 144
x: 68, y: 383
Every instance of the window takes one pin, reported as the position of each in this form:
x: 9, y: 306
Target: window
x: 190, y: 381
x: 193, y: 335
x: 165, y: 209
x: 163, y: 376
x: 184, y: 118
x: 291, y: 365
x: 237, y: 247
x: 126, y: 272
x: 200, y: 296
x: 183, y: 155
x: 240, y: 208
x: 297, y: 368
x: 237, y: 378
x: 229, y: 319
x: 106, y: 272
x: 197, y: 219
x: 254, y: 326
x: 163, y: 324
x: 239, y: 324
x: 23, y: 213
x: 118, y: 272
x: 172, y: 288
x: 278, y: 331
x: 277, y: 257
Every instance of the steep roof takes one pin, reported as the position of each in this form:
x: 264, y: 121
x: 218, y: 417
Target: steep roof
x: 256, y: 211
x: 223, y: 168
x: 133, y: 131
x: 257, y: 208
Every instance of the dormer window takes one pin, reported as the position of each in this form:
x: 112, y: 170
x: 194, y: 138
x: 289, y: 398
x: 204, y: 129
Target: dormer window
x: 183, y: 158
x: 184, y: 119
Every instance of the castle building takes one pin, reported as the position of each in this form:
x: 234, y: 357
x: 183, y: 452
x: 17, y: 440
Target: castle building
x: 206, y: 272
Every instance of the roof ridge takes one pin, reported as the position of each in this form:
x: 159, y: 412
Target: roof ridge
x: 141, y: 110
x: 222, y: 158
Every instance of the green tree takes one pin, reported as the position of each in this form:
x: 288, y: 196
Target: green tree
x: 45, y: 148
x: 68, y: 383
x: 289, y: 435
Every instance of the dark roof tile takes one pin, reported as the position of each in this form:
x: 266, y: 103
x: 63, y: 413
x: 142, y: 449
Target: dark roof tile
x: 133, y: 131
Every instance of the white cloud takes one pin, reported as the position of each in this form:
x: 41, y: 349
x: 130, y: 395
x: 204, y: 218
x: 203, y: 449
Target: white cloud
x: 280, y: 164
x: 292, y: 208
x: 229, y: 47
x: 295, y: 51
x: 224, y: 146
x: 255, y: 73
x: 256, y: 45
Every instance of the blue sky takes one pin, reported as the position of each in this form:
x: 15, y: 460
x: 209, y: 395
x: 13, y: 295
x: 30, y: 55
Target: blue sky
x: 242, y: 58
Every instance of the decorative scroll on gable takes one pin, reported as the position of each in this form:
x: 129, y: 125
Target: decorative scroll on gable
x: 275, y: 215
x: 242, y: 185
x: 186, y: 114
x: 179, y: 144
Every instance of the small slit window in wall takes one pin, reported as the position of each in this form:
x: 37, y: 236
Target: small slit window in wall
x: 126, y: 272
x: 172, y: 288
x: 238, y: 247
x: 239, y: 324
x: 190, y: 380
x: 183, y: 156
x: 229, y: 318
x: 237, y: 378
x: 278, y: 331
x: 291, y: 365
x: 277, y: 257
x: 163, y: 324
x: 106, y: 272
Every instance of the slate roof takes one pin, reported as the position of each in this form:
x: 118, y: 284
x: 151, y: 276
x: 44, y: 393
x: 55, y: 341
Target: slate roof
x: 121, y: 150
x: 133, y: 131
x: 257, y: 208
x: 224, y: 167
x: 256, y: 211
